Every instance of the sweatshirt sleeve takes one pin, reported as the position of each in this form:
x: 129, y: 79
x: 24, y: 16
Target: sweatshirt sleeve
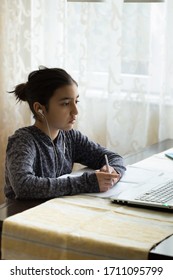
x: 23, y: 183
x: 92, y: 154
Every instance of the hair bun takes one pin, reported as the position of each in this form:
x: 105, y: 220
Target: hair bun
x: 20, y: 92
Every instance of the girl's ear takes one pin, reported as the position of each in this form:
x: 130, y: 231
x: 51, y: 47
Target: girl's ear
x: 38, y: 108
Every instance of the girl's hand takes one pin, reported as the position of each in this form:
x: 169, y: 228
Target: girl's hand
x: 111, y: 169
x: 106, y: 180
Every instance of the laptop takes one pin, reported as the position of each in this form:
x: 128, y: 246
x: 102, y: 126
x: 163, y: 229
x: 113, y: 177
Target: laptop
x: 155, y: 193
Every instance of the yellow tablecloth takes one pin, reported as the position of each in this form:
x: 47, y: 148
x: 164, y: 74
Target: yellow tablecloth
x: 83, y: 227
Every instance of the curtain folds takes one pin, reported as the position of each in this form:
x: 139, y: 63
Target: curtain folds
x: 120, y: 54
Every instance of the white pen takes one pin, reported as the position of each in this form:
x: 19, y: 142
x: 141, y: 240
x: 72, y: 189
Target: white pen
x: 107, y: 164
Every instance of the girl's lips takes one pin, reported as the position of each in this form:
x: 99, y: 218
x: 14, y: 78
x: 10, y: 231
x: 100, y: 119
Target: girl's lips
x: 72, y: 121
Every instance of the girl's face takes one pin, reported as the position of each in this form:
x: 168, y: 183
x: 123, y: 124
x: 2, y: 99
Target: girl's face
x: 62, y: 111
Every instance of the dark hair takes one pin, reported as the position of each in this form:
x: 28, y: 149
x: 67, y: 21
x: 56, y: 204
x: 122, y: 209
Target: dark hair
x: 41, y: 86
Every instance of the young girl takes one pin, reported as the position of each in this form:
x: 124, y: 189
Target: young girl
x: 38, y: 155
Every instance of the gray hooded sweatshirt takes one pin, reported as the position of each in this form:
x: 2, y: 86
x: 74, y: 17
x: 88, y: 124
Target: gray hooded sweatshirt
x: 34, y: 164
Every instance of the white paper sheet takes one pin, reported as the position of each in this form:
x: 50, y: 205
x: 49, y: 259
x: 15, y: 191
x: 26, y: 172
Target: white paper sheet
x: 133, y: 177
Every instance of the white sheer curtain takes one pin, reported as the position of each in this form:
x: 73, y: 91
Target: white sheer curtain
x: 15, y: 62
x: 120, y: 54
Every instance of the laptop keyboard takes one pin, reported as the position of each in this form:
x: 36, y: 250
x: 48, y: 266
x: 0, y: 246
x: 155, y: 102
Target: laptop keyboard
x: 162, y: 194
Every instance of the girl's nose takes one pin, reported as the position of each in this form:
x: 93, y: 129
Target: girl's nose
x: 74, y: 110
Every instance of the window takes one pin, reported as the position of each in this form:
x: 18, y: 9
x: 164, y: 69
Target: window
x: 142, y: 30
x: 142, y: 37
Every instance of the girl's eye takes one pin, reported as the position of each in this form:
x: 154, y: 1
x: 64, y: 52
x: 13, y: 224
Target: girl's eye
x: 65, y: 103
